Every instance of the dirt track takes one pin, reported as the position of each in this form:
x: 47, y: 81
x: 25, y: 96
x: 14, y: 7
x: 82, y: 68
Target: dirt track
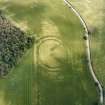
x: 87, y: 41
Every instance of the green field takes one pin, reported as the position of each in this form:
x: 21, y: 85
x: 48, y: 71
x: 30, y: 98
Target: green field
x: 96, y: 25
x: 30, y: 83
x: 95, y: 17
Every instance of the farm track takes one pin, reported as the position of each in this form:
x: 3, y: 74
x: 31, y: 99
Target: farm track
x: 87, y: 41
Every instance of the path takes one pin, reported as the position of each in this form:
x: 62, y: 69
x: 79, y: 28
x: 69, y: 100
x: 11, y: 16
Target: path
x: 87, y: 41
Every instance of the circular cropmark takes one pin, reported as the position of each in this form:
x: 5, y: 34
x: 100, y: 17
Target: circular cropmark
x: 51, y: 53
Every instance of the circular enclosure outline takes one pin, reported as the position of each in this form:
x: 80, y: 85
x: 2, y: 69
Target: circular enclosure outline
x: 56, y: 39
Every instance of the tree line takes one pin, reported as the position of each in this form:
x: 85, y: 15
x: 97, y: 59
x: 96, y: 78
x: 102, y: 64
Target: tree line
x: 13, y: 44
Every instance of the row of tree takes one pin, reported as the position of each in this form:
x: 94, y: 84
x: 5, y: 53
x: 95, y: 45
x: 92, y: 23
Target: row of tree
x: 13, y: 44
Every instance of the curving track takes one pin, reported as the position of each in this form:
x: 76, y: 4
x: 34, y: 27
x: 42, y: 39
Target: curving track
x: 87, y: 41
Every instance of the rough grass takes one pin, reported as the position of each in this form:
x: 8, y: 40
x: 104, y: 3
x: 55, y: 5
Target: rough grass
x: 77, y: 86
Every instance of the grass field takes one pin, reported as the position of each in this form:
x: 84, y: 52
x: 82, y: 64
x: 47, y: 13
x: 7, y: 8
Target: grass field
x: 95, y: 21
x: 73, y: 84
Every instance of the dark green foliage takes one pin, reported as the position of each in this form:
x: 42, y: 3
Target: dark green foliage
x: 13, y: 44
x: 95, y: 103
